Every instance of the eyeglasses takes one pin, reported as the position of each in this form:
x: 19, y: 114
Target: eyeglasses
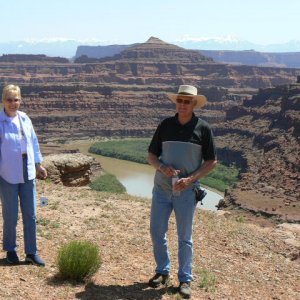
x: 10, y: 100
x: 184, y: 101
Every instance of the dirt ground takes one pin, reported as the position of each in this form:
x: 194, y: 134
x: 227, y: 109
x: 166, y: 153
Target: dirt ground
x: 246, y: 261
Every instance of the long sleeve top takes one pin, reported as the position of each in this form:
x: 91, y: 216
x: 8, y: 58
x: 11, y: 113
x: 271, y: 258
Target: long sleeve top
x: 11, y: 164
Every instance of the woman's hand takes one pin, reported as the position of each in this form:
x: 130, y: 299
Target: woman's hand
x: 41, y: 172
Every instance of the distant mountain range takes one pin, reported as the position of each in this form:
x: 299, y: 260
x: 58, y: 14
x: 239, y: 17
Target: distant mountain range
x: 235, y: 44
x: 68, y: 48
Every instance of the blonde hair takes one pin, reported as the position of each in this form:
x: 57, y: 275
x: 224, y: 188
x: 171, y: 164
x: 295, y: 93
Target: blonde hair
x: 10, y: 88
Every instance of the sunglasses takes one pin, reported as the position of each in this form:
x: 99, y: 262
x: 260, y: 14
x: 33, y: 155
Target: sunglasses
x: 10, y: 100
x: 184, y: 101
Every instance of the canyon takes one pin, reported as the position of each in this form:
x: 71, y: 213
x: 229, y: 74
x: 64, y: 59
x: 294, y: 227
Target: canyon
x: 242, y: 57
x: 254, y: 111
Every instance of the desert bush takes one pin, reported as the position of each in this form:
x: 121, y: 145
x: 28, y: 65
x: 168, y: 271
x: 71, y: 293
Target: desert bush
x: 208, y: 280
x: 108, y: 183
x: 240, y: 219
x: 78, y: 260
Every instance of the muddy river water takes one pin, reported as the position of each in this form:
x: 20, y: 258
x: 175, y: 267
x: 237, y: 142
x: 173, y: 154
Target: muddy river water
x: 138, y: 178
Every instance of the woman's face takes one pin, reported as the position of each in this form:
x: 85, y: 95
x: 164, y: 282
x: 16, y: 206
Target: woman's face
x: 12, y: 103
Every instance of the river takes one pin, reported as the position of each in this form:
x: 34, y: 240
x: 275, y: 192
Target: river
x: 138, y: 178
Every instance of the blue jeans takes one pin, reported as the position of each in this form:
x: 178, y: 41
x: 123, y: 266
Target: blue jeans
x: 9, y: 196
x: 163, y: 203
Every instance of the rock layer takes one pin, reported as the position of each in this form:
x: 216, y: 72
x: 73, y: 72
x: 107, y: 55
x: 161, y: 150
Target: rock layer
x: 266, y: 131
x: 70, y: 169
x: 124, y: 96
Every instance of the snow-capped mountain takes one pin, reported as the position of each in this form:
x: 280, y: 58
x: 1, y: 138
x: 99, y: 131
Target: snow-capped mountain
x: 234, y: 43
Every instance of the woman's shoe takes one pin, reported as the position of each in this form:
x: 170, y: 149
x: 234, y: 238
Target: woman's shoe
x: 12, y: 257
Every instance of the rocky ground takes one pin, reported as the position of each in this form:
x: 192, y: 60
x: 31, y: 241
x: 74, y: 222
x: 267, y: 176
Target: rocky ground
x: 248, y: 261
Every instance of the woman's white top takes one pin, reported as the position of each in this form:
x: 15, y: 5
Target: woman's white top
x: 16, y: 121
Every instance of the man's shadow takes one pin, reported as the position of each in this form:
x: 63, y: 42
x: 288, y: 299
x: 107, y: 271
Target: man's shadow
x: 136, y: 291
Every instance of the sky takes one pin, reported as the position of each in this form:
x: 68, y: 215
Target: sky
x: 128, y: 21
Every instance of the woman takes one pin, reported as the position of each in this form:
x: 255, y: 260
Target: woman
x: 20, y: 159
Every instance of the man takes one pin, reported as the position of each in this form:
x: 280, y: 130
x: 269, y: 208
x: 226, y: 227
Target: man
x: 177, y: 149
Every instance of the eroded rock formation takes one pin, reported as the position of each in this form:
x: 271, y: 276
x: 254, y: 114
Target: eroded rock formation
x: 71, y: 169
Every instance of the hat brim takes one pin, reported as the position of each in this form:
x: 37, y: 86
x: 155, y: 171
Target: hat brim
x: 201, y: 100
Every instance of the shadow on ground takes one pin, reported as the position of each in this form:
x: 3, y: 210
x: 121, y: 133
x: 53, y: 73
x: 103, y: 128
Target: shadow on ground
x: 136, y: 291
x: 4, y: 263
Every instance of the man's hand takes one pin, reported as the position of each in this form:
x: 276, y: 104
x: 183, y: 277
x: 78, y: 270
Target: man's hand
x: 41, y: 172
x: 182, y: 183
x: 169, y: 171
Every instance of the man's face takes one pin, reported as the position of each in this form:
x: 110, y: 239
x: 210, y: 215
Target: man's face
x: 185, y: 105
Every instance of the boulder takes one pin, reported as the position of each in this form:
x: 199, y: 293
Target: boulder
x: 71, y: 169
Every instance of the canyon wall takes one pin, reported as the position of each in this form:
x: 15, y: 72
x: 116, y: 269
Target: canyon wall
x: 254, y: 111
x: 266, y: 131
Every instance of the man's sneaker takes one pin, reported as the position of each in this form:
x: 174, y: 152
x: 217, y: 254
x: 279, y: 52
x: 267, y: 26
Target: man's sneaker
x: 185, y: 290
x: 12, y: 257
x: 158, y: 279
x: 34, y: 259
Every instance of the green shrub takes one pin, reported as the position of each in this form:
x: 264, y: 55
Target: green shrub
x: 133, y: 150
x: 221, y: 177
x: 108, y: 183
x: 214, y: 183
x: 240, y: 219
x: 208, y: 280
x: 78, y: 260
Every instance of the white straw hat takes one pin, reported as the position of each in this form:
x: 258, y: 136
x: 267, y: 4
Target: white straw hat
x: 189, y: 90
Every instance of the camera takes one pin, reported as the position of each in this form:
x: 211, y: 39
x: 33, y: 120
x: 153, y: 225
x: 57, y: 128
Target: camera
x: 200, y: 194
